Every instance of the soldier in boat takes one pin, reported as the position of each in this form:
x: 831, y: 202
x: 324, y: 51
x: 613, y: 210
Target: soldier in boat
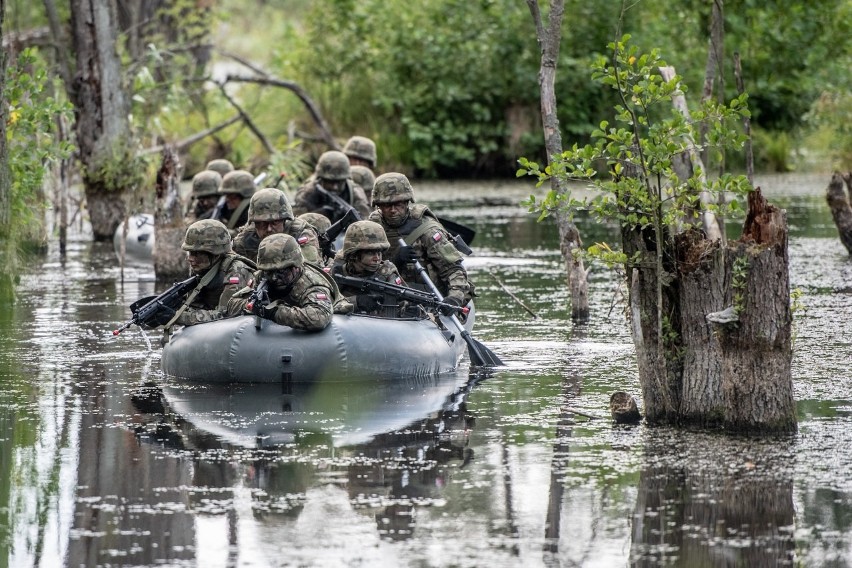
x: 331, y: 191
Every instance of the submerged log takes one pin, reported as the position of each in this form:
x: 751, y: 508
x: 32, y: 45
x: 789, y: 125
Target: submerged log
x: 169, y: 260
x: 840, y: 207
x: 623, y: 408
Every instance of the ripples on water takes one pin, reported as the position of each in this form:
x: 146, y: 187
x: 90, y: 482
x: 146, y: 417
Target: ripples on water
x: 107, y: 462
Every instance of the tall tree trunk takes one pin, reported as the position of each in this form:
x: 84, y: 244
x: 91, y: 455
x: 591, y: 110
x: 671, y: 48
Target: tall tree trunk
x: 169, y: 259
x: 101, y: 109
x: 7, y: 247
x: 569, y: 235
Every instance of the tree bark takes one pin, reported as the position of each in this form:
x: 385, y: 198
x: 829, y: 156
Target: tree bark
x: 840, y: 207
x: 722, y: 354
x: 7, y: 246
x: 169, y: 260
x: 101, y: 109
x: 569, y: 236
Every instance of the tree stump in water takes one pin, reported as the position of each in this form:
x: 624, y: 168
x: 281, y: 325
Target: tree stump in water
x: 169, y: 259
x: 623, y: 408
x: 840, y: 207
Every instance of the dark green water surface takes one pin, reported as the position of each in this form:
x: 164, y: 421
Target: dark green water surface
x: 106, y: 462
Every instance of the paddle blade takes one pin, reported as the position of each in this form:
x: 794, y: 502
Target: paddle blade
x: 480, y: 355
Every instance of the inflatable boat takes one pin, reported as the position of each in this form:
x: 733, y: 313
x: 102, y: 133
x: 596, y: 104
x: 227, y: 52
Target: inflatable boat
x: 139, y: 242
x: 352, y: 347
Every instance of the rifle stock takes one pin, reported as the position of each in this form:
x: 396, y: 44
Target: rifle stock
x: 338, y: 201
x: 146, y: 314
x: 326, y: 239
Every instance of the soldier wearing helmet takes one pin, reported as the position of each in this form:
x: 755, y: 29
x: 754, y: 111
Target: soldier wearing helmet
x: 361, y: 151
x: 222, y: 273
x: 363, y: 176
x: 221, y: 166
x: 301, y: 295
x: 426, y: 239
x: 237, y: 188
x: 205, y: 195
x: 269, y: 213
x: 331, y: 191
x: 363, y: 246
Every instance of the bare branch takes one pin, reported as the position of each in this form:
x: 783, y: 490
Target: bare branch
x: 190, y: 140
x: 251, y: 125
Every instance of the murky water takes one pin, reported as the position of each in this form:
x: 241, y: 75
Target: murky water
x: 105, y: 462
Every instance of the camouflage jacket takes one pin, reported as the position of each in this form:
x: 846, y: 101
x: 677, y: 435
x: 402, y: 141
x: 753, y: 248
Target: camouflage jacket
x: 437, y: 254
x: 386, y: 272
x: 210, y: 304
x: 307, y: 304
x: 309, y: 200
x: 247, y: 241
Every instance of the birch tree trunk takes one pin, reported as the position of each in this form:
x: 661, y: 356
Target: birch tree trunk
x: 7, y: 246
x: 101, y: 109
x: 569, y: 236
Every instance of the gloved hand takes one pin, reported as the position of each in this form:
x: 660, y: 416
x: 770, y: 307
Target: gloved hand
x: 451, y: 306
x: 368, y: 302
x: 405, y: 255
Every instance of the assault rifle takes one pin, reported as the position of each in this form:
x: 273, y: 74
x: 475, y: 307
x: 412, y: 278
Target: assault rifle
x: 326, y: 239
x: 260, y: 298
x: 411, y: 295
x: 340, y: 204
x: 152, y: 311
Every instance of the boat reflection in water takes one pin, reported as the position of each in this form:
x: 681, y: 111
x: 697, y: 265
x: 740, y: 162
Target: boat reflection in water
x: 324, y: 452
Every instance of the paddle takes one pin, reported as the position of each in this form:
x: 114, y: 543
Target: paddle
x: 466, y: 233
x: 480, y: 355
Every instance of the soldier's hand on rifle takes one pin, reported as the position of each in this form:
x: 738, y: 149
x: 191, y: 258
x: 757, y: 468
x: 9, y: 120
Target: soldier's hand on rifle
x: 405, y: 255
x: 450, y: 306
x: 368, y: 302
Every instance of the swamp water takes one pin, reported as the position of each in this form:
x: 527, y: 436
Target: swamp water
x: 105, y: 462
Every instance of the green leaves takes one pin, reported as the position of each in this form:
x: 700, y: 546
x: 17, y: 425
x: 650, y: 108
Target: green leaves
x: 630, y: 163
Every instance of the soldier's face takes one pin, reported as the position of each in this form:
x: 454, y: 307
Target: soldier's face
x: 370, y: 260
x: 266, y: 228
x: 356, y: 161
x: 394, y: 213
x: 284, y: 277
x: 335, y: 185
x: 208, y: 202
x: 232, y: 200
x: 199, y: 261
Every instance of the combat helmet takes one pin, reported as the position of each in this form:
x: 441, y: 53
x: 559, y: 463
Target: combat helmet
x: 238, y: 181
x: 316, y: 220
x: 206, y: 183
x: 364, y: 236
x: 207, y: 235
x: 221, y: 166
x: 269, y: 204
x: 361, y: 147
x: 277, y: 252
x: 332, y: 165
x: 391, y: 188
x: 363, y: 176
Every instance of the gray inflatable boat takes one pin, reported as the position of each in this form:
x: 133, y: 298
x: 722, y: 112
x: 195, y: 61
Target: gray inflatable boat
x: 139, y: 242
x: 352, y: 347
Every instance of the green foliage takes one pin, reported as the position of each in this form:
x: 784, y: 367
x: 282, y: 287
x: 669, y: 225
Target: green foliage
x: 32, y: 140
x: 773, y: 151
x: 640, y: 187
x: 739, y: 282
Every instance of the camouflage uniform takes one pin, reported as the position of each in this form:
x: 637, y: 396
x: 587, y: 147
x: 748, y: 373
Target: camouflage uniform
x: 364, y: 236
x: 205, y: 186
x: 307, y: 303
x: 270, y: 204
x: 227, y: 274
x: 333, y: 166
x: 238, y: 182
x: 430, y: 241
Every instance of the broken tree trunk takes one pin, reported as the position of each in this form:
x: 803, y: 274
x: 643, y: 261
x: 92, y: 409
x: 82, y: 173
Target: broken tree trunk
x: 169, y: 259
x: 840, y: 206
x: 721, y: 356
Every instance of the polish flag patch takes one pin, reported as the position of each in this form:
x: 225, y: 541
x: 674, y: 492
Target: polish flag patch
x: 234, y: 280
x: 437, y: 237
x: 302, y: 240
x: 398, y: 281
x: 321, y: 296
x: 326, y: 269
